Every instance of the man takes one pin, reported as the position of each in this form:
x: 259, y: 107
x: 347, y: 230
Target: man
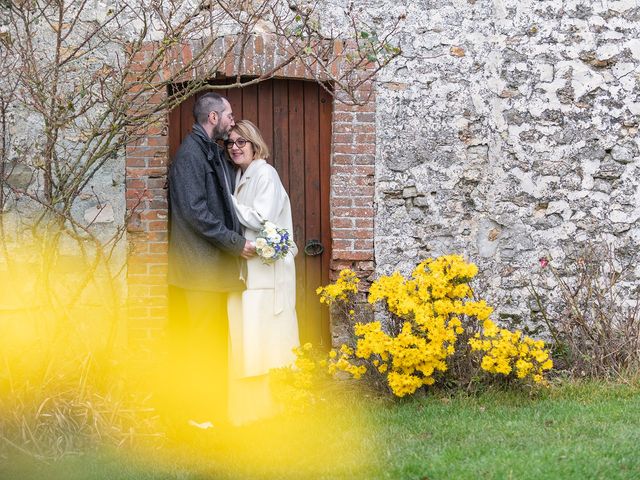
x: 206, y: 248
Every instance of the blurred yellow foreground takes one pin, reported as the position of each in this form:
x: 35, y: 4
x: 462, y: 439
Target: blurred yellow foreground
x: 70, y: 382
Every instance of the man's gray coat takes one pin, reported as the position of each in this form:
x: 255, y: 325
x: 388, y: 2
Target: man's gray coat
x: 205, y: 240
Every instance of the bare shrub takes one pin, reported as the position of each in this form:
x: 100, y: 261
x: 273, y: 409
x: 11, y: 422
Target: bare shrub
x: 595, y: 321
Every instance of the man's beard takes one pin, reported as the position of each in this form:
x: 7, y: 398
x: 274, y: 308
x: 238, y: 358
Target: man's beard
x: 219, y: 134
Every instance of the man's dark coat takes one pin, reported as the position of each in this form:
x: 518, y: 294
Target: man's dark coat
x: 205, y: 241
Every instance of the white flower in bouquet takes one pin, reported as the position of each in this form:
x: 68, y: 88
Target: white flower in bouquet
x: 269, y: 228
x: 275, y: 238
x: 261, y: 242
x: 268, y: 252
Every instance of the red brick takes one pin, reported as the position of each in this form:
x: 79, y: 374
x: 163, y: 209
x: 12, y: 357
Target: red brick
x: 347, y: 191
x: 363, y: 223
x: 229, y: 66
x: 136, y: 193
x: 137, y: 268
x: 301, y: 70
x: 187, y: 54
x: 364, y: 159
x: 135, y: 184
x: 157, y: 141
x: 341, y: 244
x: 146, y: 152
x: 347, y: 127
x: 342, y: 159
x: 159, y: 269
x: 341, y: 265
x: 158, y: 161
x: 364, y: 201
x: 339, y: 138
x: 136, y: 162
x: 159, y: 225
x: 159, y: 203
x: 352, y: 255
x: 366, y: 138
x: 134, y: 224
x: 147, y: 279
x: 342, y: 223
x: 157, y: 236
x: 366, y: 128
x: 363, y: 244
x: 360, y: 170
x: 341, y: 202
x: 354, y: 180
x: 367, y: 107
x: 366, y: 117
x: 145, y: 172
x: 359, y: 212
x: 148, y: 302
x: 157, y: 98
x: 155, y: 129
x: 145, y: 256
x: 156, y: 184
x: 360, y: 148
x: 360, y: 234
x: 158, y: 247
x: 343, y: 117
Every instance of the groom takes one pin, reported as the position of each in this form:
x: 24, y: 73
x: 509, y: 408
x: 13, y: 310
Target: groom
x: 205, y: 250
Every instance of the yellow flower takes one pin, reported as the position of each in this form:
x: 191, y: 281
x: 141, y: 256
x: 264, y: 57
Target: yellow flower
x: 345, y: 286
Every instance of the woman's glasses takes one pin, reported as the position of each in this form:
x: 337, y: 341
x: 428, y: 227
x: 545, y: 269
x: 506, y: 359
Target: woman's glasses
x: 240, y: 143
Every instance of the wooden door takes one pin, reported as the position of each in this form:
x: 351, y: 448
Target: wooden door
x: 294, y: 117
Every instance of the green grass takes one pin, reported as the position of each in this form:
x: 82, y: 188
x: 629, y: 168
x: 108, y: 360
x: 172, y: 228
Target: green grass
x: 573, y: 431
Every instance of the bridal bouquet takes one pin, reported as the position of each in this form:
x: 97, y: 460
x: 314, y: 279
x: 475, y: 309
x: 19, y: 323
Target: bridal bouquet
x: 272, y: 243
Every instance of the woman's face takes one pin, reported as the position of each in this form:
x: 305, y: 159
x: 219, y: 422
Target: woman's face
x: 240, y: 150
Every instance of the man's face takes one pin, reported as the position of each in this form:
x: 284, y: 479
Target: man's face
x: 225, y: 122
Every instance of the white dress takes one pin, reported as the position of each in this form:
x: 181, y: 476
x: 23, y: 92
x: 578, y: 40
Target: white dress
x: 263, y: 327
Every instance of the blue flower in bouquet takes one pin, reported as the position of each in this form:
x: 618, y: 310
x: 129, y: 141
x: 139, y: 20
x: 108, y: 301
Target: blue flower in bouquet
x: 272, y: 243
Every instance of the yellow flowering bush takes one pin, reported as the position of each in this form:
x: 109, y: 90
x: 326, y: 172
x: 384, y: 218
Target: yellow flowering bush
x: 429, y: 313
x: 434, y: 330
x: 508, y: 353
x: 297, y: 387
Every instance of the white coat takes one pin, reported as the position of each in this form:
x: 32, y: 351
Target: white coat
x: 263, y: 326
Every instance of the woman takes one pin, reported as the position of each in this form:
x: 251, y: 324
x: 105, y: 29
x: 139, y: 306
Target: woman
x: 263, y: 327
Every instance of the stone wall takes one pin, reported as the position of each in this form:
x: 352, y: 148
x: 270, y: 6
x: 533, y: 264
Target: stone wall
x: 508, y: 131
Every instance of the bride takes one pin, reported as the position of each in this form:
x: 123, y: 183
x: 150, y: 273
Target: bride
x: 263, y: 327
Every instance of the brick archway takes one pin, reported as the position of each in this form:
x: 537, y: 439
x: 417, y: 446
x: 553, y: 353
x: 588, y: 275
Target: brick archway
x: 351, y: 194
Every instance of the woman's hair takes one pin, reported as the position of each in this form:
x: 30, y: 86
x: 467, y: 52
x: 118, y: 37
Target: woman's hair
x: 250, y: 132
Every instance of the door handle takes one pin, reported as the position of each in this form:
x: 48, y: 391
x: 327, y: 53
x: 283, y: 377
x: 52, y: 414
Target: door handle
x: 313, y: 248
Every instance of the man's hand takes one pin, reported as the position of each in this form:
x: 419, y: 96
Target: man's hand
x: 249, y: 250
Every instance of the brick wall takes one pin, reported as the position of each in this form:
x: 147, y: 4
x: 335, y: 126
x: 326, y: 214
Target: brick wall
x: 352, y: 186
x: 352, y: 176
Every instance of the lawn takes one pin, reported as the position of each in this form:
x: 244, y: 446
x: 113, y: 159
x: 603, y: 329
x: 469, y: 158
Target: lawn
x: 572, y: 431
